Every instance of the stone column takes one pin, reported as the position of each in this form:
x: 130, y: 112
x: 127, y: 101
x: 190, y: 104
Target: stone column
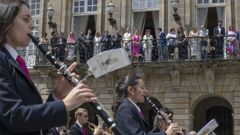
x: 43, y: 16
x: 228, y: 14
x: 237, y: 8
x: 99, y: 16
x: 162, y: 15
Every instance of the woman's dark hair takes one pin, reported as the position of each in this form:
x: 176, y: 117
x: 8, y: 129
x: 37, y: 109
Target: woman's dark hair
x: 121, y: 89
x: 8, y: 12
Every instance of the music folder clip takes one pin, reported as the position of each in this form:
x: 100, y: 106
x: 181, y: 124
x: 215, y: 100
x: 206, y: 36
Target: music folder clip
x: 208, y: 128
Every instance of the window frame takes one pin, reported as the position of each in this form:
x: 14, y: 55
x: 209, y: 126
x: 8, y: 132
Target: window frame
x: 85, y: 7
x: 210, y: 2
x: 146, y: 6
x: 36, y: 8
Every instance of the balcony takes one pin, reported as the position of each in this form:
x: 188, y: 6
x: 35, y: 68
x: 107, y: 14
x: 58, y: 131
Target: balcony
x: 191, y: 50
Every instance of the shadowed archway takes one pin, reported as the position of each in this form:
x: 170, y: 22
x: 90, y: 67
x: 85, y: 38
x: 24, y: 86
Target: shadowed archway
x: 217, y: 108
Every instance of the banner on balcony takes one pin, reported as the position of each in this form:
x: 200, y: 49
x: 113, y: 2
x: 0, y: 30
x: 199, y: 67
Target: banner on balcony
x: 108, y: 61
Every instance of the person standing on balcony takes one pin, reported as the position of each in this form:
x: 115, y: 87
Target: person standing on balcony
x: 53, y: 41
x: 203, y: 33
x: 89, y: 39
x: 71, y: 41
x: 60, y: 51
x: 106, y: 40
x: 171, y: 42
x: 97, y: 44
x: 45, y: 42
x: 219, y: 33
x: 182, y: 43
x: 22, y: 110
x: 127, y: 41
x: 81, y: 48
x: 136, y: 46
x: 231, y: 45
x: 116, y: 40
x: 194, y: 44
x: 147, y: 46
x: 162, y: 42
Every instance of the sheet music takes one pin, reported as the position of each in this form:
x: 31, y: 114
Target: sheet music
x: 108, y: 61
x: 208, y: 128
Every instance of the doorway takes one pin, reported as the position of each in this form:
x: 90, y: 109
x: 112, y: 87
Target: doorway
x: 91, y: 24
x: 149, y: 25
x: 212, y: 20
x: 217, y: 108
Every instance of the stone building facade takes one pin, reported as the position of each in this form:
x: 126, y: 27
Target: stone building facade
x: 137, y: 14
x: 195, y: 91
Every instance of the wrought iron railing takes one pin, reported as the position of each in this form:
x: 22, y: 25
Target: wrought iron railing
x: 187, y: 49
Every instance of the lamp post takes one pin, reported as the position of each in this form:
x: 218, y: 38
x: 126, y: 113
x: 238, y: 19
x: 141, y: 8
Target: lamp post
x: 177, y: 18
x: 50, y: 14
x: 110, y: 10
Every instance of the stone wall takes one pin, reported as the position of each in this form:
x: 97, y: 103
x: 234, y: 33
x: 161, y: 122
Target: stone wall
x: 178, y: 86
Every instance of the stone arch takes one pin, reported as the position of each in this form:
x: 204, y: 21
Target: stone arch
x: 213, y: 106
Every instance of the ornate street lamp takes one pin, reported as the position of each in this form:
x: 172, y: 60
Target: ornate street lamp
x: 175, y: 5
x: 110, y: 10
x: 50, y: 14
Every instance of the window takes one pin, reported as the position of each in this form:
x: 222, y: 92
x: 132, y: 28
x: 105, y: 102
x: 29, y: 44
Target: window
x: 35, y: 11
x: 34, y: 7
x: 145, y: 4
x: 84, y: 6
x: 210, y: 1
x: 35, y: 31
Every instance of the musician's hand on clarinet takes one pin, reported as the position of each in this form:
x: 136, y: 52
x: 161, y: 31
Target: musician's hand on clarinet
x: 62, y: 86
x: 98, y: 130
x: 79, y: 95
x: 174, y: 129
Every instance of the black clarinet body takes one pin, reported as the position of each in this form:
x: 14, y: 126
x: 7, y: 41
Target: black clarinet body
x: 160, y: 113
x: 62, y: 68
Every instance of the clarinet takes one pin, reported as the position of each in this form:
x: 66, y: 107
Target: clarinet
x: 62, y: 68
x: 160, y: 113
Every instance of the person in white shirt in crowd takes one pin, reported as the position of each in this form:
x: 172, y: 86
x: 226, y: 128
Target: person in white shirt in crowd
x: 127, y: 36
x: 97, y: 44
x: 147, y: 46
x: 171, y: 42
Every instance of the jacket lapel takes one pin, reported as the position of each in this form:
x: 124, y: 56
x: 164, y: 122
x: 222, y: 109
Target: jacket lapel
x: 137, y: 112
x: 17, y: 67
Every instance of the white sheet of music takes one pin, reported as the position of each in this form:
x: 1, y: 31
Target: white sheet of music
x: 208, y: 128
x: 108, y: 61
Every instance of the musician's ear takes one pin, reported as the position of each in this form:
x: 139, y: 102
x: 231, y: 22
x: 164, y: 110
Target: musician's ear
x: 131, y: 90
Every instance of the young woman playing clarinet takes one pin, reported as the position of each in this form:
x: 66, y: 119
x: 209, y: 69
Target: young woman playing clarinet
x: 22, y: 110
x: 130, y: 91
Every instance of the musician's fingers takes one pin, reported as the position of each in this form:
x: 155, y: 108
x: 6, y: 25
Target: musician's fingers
x: 72, y: 66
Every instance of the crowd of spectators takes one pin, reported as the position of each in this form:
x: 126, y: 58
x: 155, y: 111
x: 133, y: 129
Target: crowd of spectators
x: 177, y: 44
